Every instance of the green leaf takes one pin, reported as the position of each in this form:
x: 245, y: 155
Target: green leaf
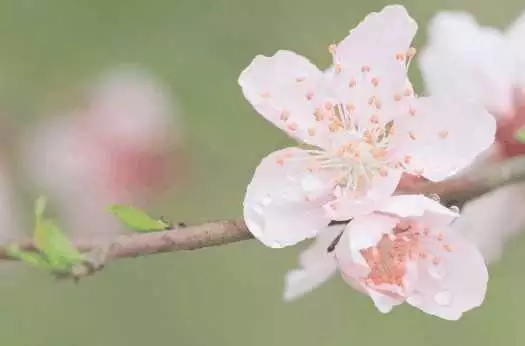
x: 31, y: 258
x: 56, y: 247
x: 520, y: 135
x: 40, y: 206
x: 137, y: 219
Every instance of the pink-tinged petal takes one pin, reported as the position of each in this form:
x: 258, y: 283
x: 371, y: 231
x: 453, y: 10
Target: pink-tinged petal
x: 456, y: 284
x: 376, y: 43
x: 468, y: 62
x: 317, y: 265
x: 351, y: 271
x: 283, y: 202
x: 514, y: 35
x: 384, y: 185
x: 365, y: 232
x: 383, y: 302
x: 443, y: 136
x: 281, y: 88
x: 348, y: 206
x: 493, y: 219
x: 416, y: 206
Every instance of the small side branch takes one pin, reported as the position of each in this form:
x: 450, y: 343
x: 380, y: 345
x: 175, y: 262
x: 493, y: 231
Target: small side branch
x: 454, y: 191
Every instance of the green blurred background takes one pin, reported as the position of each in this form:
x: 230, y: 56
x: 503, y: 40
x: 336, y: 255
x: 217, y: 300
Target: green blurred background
x: 229, y: 295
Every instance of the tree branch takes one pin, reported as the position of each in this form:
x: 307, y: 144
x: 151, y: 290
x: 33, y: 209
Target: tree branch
x: 455, y: 191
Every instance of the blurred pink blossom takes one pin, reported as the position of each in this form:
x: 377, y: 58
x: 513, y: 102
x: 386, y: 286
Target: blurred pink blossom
x: 124, y: 146
x: 486, y: 66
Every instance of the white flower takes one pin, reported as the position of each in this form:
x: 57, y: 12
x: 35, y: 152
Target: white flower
x: 406, y: 252
x: 464, y: 60
x: 363, y: 125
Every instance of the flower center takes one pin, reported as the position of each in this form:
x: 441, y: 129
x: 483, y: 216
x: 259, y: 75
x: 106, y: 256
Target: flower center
x: 408, y: 242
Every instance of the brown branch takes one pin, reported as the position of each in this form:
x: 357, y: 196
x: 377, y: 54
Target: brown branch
x: 456, y: 190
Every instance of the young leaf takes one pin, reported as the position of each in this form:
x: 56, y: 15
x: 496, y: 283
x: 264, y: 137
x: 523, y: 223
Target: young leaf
x: 56, y: 247
x: 137, y: 219
x: 31, y: 258
x: 40, y: 206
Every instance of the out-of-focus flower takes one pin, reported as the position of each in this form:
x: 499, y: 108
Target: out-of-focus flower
x: 122, y: 147
x: 407, y: 252
x: 317, y: 265
x: 466, y: 61
x: 364, y: 125
x: 10, y: 218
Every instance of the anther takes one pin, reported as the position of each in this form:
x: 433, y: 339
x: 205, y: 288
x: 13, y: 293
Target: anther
x: 285, y: 115
x: 443, y: 134
x: 309, y: 95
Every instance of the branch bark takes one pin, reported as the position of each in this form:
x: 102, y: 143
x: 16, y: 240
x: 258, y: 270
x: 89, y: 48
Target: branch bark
x: 454, y: 191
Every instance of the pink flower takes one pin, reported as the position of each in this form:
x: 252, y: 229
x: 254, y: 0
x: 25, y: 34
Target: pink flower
x: 464, y: 60
x: 363, y: 126
x: 406, y: 252
x: 119, y: 148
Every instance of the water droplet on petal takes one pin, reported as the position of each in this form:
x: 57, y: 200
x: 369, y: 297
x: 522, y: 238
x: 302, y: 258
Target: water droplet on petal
x: 436, y: 272
x: 310, y: 183
x: 266, y: 201
x: 415, y: 299
x: 443, y: 298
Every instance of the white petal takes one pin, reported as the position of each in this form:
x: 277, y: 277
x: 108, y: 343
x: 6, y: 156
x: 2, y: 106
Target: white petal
x: 283, y: 202
x: 365, y: 232
x: 278, y: 88
x: 383, y: 302
x: 493, y: 219
x: 415, y: 206
x: 467, y: 62
x: 376, y: 41
x: 444, y: 136
x: 460, y: 284
x: 515, y: 36
x: 348, y: 207
x: 317, y: 266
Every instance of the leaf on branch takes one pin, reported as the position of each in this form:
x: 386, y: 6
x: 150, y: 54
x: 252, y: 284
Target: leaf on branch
x: 31, y: 258
x: 55, y: 247
x: 137, y: 219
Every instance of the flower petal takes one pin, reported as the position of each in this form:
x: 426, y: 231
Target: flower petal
x: 491, y: 220
x: 469, y: 62
x: 317, y: 265
x: 443, y: 136
x: 376, y: 42
x: 281, y: 89
x: 514, y: 35
x: 455, y: 285
x: 283, y: 202
x: 416, y: 206
x: 348, y: 207
x: 366, y: 231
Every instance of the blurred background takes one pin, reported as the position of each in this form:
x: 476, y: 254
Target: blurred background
x: 67, y: 70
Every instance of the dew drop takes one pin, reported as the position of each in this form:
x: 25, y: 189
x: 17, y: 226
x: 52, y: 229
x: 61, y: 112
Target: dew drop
x: 443, y: 298
x: 436, y: 272
x: 266, y: 201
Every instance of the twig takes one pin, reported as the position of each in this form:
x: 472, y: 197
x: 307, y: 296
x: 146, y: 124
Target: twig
x: 456, y: 190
